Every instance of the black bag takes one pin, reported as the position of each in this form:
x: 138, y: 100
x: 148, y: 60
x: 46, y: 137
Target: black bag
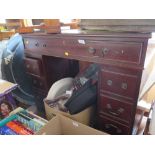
x: 86, y: 95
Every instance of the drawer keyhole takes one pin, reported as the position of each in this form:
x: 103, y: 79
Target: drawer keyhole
x: 124, y: 86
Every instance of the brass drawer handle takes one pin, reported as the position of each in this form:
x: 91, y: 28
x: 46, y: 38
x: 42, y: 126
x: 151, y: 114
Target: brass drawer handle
x: 92, y: 50
x: 108, y: 126
x: 109, y: 82
x: 105, y: 51
x: 124, y: 86
x: 118, y: 111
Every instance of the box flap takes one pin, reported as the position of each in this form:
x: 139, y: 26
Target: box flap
x: 53, y: 127
x: 61, y: 125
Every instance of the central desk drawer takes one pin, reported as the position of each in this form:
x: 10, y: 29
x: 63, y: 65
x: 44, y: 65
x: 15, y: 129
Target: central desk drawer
x: 115, y: 108
x: 121, y: 84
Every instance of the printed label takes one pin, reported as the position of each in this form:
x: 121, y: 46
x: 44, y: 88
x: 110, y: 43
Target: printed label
x: 81, y: 41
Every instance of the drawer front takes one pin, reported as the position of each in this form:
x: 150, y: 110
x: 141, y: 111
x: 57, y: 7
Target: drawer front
x: 38, y: 83
x: 42, y: 44
x: 120, y: 110
x: 33, y: 66
x: 112, y: 127
x: 81, y: 48
x: 121, y: 51
x: 126, y: 52
x: 123, y: 85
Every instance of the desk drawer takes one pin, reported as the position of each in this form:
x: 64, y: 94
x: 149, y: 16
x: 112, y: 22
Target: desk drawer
x: 36, y: 44
x: 125, y: 52
x: 121, y: 84
x: 112, y: 127
x: 33, y: 66
x: 115, y: 108
x: 121, y: 51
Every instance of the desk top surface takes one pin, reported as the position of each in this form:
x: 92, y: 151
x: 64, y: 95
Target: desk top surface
x: 91, y: 33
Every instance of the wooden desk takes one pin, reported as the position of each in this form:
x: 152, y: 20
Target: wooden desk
x: 49, y: 57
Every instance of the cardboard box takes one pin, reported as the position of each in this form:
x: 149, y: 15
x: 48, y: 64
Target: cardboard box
x: 83, y: 117
x: 61, y: 125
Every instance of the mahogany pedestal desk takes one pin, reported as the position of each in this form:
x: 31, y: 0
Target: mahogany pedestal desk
x: 49, y: 57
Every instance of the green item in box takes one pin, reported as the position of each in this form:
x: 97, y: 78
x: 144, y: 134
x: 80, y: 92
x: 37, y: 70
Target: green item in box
x: 7, y: 119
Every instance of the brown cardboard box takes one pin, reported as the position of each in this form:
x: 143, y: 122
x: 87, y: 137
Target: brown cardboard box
x: 61, y: 125
x: 83, y: 117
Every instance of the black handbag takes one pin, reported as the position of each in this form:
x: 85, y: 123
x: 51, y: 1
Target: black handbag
x: 86, y: 95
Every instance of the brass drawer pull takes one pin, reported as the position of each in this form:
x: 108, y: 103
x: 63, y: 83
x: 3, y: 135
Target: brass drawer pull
x: 37, y: 44
x: 108, y: 126
x: 105, y: 51
x: 118, y: 111
x: 92, y: 50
